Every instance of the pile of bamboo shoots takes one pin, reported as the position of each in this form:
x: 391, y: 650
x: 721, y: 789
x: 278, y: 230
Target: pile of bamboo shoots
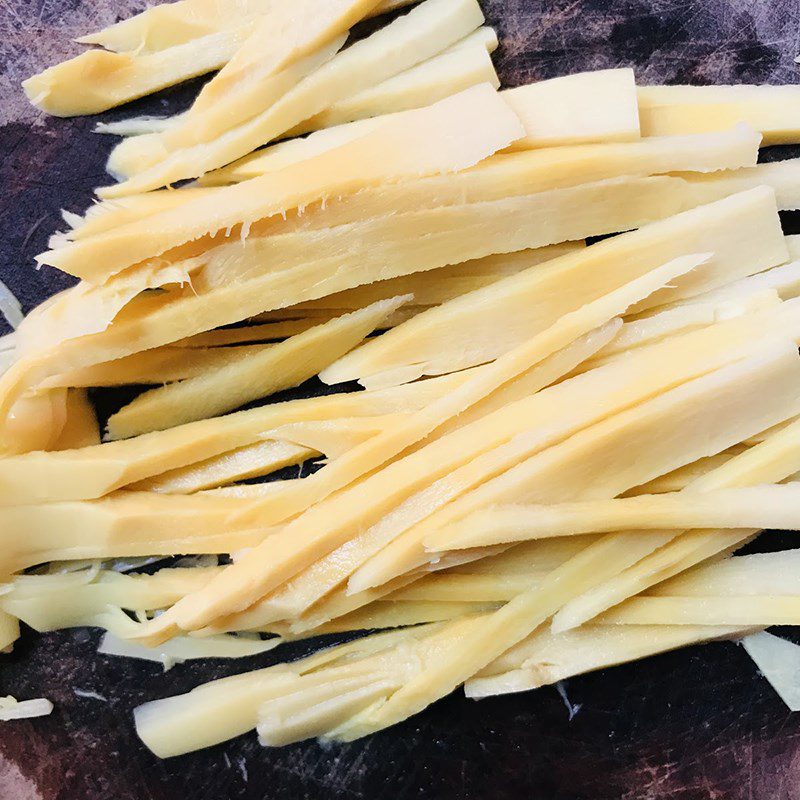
x: 555, y: 449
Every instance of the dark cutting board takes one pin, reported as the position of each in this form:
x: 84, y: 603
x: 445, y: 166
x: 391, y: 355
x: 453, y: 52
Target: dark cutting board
x: 692, y: 725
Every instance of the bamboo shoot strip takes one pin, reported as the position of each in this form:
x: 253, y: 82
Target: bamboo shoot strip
x: 127, y: 524
x: 249, y: 579
x: 413, y: 144
x: 773, y: 460
x: 771, y: 110
x: 597, y: 106
x: 95, y: 471
x: 488, y: 321
x: 242, y: 380
x: 545, y: 658
x: 425, y: 31
x: 466, y: 64
x: 769, y: 506
x: 490, y: 635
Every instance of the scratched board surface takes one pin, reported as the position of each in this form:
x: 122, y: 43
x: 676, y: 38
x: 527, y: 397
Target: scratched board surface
x: 696, y: 724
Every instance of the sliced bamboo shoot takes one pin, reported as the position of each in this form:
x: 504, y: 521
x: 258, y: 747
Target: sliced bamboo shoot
x: 467, y: 64
x: 545, y: 658
x: 244, y: 379
x: 670, y: 110
x: 127, y: 524
x: 81, y: 428
x: 769, y: 506
x: 587, y: 107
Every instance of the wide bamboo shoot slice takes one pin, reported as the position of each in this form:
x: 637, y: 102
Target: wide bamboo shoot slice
x: 243, y: 379
x: 98, y: 80
x: 158, y: 366
x: 752, y: 611
x: 670, y: 110
x: 250, y: 578
x: 514, y: 174
x: 96, y: 471
x: 782, y: 176
x: 252, y: 461
x: 425, y: 31
x: 587, y: 107
x: 490, y: 635
x: 484, y: 323
x: 545, y: 658
x: 769, y: 506
x: 467, y: 64
x: 127, y: 524
x: 412, y: 144
x: 773, y: 460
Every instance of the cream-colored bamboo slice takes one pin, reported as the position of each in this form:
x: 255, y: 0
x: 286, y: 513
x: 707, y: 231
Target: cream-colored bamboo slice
x: 411, y: 144
x: 484, y: 323
x: 126, y: 524
x: 251, y: 578
x: 514, y: 174
x: 108, y: 214
x: 680, y: 478
x: 116, y: 78
x: 782, y: 176
x: 771, y: 461
x: 682, y: 318
x: 767, y: 506
x: 292, y: 444
x: 225, y: 337
x: 434, y: 287
x: 407, y: 552
x: 422, y: 33
x: 92, y: 472
x: 241, y: 380
x: 186, y: 648
x: 756, y: 574
x: 753, y: 611
x: 169, y: 24
x: 289, y: 152
x: 220, y: 710
x: 37, y: 422
x: 51, y: 602
x: 545, y: 658
x: 81, y: 428
x: 9, y: 632
x: 670, y: 110
x: 466, y: 64
x: 490, y: 635
x: 252, y: 461
x: 158, y: 366
x: 597, y: 106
